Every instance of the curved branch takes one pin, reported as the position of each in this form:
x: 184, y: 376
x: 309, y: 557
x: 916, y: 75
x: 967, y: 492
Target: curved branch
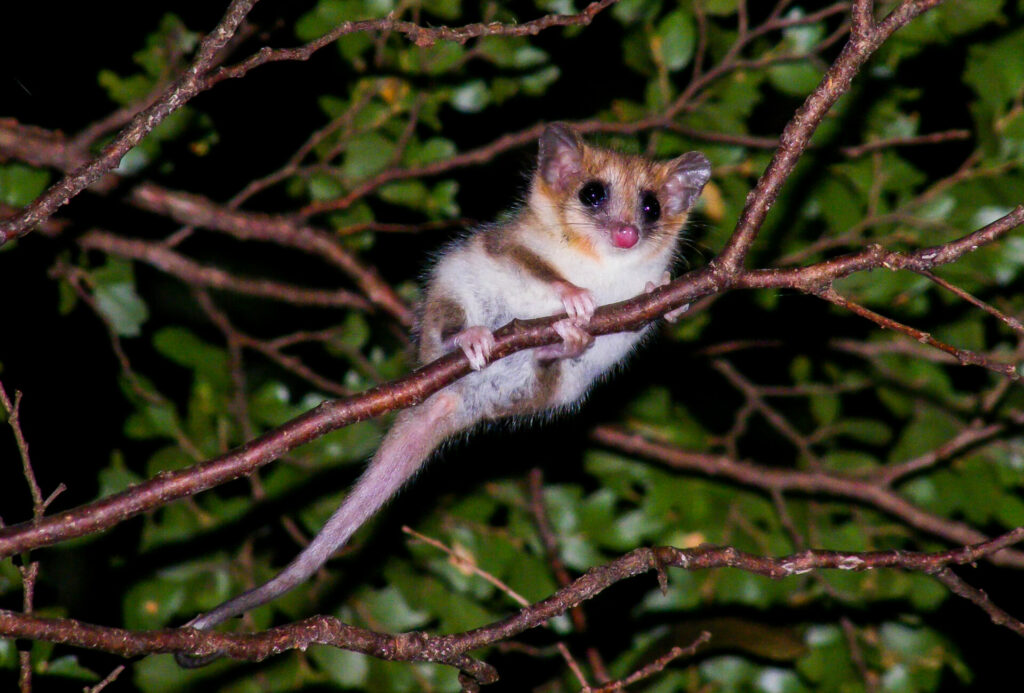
x: 195, y: 210
x: 411, y: 389
x: 196, y: 274
x: 451, y: 649
x: 419, y: 35
x: 864, y: 491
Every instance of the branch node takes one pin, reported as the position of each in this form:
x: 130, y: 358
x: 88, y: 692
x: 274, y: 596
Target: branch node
x: 662, y: 557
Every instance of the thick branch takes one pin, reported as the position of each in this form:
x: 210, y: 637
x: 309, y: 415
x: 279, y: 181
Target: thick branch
x: 414, y: 388
x: 451, y: 649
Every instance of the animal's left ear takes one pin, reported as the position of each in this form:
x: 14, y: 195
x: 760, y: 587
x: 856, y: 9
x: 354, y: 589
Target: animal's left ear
x: 687, y: 176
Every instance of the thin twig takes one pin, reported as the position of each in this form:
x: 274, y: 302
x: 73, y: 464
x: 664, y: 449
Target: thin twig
x: 655, y: 667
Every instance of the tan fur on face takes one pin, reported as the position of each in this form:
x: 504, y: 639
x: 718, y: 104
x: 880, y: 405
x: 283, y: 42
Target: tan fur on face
x: 625, y: 177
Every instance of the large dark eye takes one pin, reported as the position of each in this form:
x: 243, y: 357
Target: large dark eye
x: 649, y: 207
x: 593, y: 194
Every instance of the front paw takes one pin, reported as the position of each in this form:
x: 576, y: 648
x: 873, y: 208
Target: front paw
x: 575, y: 341
x: 674, y: 314
x: 579, y: 303
x: 476, y: 343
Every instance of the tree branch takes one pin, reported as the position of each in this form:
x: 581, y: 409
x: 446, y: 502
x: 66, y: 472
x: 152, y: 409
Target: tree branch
x: 451, y: 649
x: 179, y: 93
x: 865, y: 39
x: 198, y: 275
x: 412, y: 389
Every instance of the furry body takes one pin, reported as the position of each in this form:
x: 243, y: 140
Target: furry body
x: 597, y: 227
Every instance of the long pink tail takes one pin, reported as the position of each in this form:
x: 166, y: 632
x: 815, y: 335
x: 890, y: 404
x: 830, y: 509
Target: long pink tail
x: 411, y: 440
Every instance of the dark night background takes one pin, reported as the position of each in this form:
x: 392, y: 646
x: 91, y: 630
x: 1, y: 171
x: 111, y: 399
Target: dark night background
x: 73, y: 410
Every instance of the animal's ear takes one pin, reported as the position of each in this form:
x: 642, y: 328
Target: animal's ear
x: 559, y: 156
x: 687, y: 176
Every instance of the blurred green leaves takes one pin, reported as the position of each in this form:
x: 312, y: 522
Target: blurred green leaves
x: 20, y: 184
x: 835, y: 395
x: 117, y: 299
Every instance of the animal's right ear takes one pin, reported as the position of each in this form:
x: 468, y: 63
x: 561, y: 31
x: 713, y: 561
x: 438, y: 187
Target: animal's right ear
x: 688, y: 175
x: 560, y: 156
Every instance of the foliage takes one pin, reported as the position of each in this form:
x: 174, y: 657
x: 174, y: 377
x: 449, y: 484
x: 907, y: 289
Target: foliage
x: 783, y: 381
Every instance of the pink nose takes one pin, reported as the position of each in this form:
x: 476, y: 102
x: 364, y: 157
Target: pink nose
x: 624, y: 235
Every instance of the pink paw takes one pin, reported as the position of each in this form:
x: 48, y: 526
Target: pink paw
x: 666, y: 277
x: 476, y: 343
x: 674, y: 314
x: 575, y: 341
x: 579, y: 303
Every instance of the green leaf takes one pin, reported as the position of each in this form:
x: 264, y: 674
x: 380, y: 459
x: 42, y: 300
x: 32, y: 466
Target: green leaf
x: 20, y: 184
x: 124, y: 90
x: 929, y: 428
x: 802, y: 38
x: 632, y: 11
x: 116, y: 477
x: 508, y: 51
x: 675, y: 39
x: 471, y: 97
x: 324, y: 186
x: 995, y: 69
x: 151, y: 604
x: 728, y: 673
x: 182, y: 347
x: 441, y: 201
x: 849, y: 461
x: 537, y: 83
x: 389, y: 608
x: 344, y: 668
x: 408, y: 193
x: 153, y: 420
x: 445, y: 9
x: 69, y: 667
x: 434, y: 149
x: 828, y: 663
x: 775, y: 680
x: 825, y: 408
x: 1010, y: 511
x: 117, y: 299
x: 797, y: 79
x: 366, y: 155
x: 8, y: 654
x: 868, y: 431
x: 161, y: 674
x: 328, y: 14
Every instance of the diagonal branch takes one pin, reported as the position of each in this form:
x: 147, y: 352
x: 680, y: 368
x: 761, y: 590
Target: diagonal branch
x: 180, y: 92
x: 412, y: 389
x: 865, y: 38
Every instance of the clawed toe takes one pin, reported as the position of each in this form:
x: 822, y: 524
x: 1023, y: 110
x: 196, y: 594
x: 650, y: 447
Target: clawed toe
x: 575, y: 341
x: 579, y: 303
x: 476, y: 343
